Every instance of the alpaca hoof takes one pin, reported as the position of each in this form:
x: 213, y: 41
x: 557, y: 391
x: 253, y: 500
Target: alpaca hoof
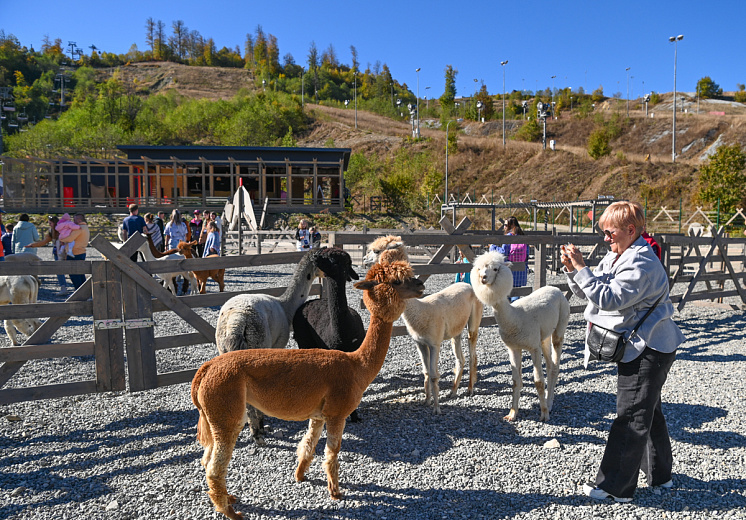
x: 336, y: 495
x: 231, y: 513
x: 453, y: 393
x: 299, y: 477
x: 511, y: 416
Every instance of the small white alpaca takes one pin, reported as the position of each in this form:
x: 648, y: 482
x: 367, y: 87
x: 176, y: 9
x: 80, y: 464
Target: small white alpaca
x: 535, y: 323
x: 434, y: 319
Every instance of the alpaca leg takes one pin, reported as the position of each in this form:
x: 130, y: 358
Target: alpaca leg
x: 12, y: 333
x: 307, y: 447
x: 458, y: 371
x: 334, y: 430
x: 435, y: 376
x: 256, y: 425
x: 514, y: 355
x: 540, y: 383
x: 217, y: 468
x: 473, y: 335
x: 424, y: 351
x: 553, y: 367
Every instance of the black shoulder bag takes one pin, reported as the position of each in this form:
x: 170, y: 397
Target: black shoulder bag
x: 607, y: 345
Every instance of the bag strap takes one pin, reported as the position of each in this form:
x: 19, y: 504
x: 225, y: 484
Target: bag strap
x: 639, y: 323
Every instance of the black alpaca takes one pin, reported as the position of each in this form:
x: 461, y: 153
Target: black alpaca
x: 328, y: 322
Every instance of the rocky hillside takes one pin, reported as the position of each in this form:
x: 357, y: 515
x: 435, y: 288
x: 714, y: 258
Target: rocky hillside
x: 639, y: 166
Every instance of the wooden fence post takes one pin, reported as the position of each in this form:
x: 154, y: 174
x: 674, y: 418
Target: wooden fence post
x: 106, y: 283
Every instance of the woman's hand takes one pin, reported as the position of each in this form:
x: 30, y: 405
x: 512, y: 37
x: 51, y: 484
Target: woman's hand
x: 572, y: 258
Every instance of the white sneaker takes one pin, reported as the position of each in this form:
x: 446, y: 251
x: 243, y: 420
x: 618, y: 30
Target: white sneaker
x: 597, y: 493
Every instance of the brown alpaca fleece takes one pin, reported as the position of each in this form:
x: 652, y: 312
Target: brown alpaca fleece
x: 185, y: 248
x: 324, y: 386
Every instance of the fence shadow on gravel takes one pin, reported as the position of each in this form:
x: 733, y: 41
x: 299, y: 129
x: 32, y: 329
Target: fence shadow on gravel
x: 121, y: 300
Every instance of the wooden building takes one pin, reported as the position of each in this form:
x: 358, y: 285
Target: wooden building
x: 304, y: 180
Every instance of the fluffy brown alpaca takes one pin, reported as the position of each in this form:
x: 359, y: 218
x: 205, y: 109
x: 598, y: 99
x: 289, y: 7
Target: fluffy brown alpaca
x: 381, y: 244
x: 185, y: 248
x: 324, y: 386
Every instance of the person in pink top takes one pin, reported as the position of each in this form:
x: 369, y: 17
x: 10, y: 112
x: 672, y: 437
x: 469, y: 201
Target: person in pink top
x: 64, y: 227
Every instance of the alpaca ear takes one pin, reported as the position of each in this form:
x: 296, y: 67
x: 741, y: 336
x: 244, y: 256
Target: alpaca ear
x: 351, y: 274
x: 365, y: 285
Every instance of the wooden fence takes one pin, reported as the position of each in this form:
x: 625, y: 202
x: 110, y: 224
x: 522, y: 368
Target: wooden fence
x: 124, y: 299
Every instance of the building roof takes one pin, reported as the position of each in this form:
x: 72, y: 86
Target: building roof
x: 237, y: 153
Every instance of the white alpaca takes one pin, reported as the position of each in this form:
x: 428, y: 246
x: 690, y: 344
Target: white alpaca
x: 19, y: 290
x: 439, y: 317
x: 535, y: 323
x: 434, y: 319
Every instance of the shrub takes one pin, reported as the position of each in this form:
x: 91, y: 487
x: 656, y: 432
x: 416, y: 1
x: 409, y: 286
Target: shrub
x: 530, y: 131
x: 598, y: 144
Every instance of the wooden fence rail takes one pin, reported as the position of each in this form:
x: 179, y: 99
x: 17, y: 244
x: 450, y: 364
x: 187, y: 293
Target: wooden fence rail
x: 123, y: 299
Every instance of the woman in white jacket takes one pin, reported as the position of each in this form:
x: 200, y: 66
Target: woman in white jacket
x: 628, y: 282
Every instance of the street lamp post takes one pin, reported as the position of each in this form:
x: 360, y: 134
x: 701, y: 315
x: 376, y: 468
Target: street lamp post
x: 553, y: 112
x: 426, y: 98
x: 675, y: 40
x: 627, y: 69
x: 355, y: 75
x: 418, y: 101
x: 445, y: 199
x: 503, y: 63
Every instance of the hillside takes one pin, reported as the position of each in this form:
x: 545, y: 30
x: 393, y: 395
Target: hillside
x: 639, y: 167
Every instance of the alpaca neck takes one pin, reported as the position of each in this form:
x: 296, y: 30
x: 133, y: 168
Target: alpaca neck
x: 336, y: 300
x: 372, y: 353
x: 294, y: 296
x: 506, y: 316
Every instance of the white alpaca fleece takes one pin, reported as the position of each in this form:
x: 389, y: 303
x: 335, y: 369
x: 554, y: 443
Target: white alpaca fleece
x: 535, y: 323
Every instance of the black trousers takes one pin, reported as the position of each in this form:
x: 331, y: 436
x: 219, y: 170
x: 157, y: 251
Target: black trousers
x: 639, y: 435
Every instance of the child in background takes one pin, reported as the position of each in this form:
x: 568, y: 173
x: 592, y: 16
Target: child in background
x: 64, y: 227
x: 212, y: 244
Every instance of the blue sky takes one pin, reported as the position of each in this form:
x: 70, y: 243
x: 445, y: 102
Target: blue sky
x: 584, y: 44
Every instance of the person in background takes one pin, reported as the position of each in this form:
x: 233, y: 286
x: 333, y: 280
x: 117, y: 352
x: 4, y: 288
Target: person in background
x: 627, y: 282
x: 160, y: 219
x: 303, y: 236
x: 53, y: 236
x: 24, y: 233
x: 195, y: 226
x: 214, y: 216
x: 79, y: 239
x: 7, y: 239
x: 656, y: 248
x: 462, y: 277
x: 514, y: 253
x: 3, y: 232
x: 175, y: 231
x: 132, y: 224
x: 315, y: 238
x: 152, y: 229
x: 212, y: 243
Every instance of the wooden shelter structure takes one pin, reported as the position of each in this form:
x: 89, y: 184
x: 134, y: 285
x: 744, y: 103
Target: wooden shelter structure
x: 304, y: 180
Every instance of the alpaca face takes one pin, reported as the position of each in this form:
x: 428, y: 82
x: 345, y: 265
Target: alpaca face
x: 380, y: 245
x: 387, y: 287
x: 491, y: 277
x: 336, y: 263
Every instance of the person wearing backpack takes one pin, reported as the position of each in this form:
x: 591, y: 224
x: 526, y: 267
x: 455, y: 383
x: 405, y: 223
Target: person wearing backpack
x: 514, y: 253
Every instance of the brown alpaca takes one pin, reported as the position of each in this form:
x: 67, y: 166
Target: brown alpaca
x: 185, y: 248
x: 324, y: 386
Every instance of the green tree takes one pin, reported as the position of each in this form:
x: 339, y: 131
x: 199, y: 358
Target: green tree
x: 723, y: 178
x: 598, y: 143
x: 530, y: 131
x: 708, y: 88
x: 448, y: 98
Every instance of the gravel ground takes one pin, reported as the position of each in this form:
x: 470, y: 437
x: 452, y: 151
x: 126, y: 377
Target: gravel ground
x: 131, y: 456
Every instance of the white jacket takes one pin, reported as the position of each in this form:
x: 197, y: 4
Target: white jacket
x: 619, y: 294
